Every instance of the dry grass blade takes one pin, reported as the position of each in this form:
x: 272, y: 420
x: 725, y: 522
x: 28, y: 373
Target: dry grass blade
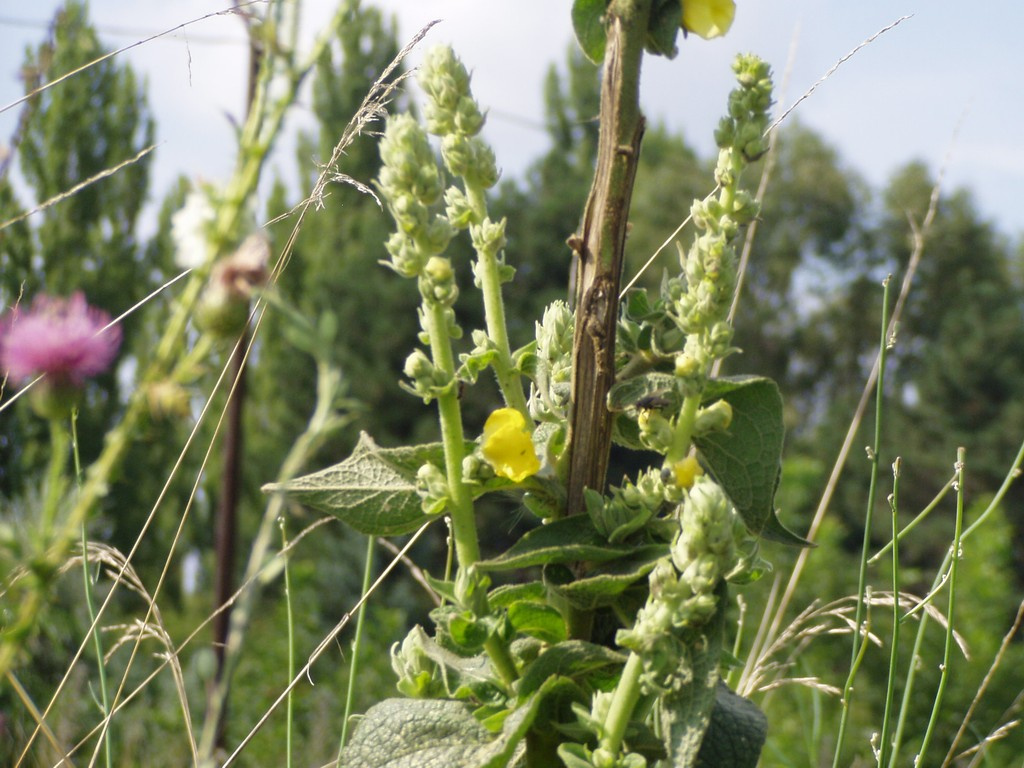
x: 836, y: 66
x: 920, y: 234
x: 56, y: 81
x: 107, y: 172
x: 771, y: 668
x: 989, y: 675
x: 37, y: 716
x: 166, y: 659
x: 324, y: 645
x: 119, y: 570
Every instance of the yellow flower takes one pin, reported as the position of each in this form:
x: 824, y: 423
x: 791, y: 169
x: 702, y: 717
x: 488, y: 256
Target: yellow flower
x: 708, y: 18
x: 687, y: 471
x: 507, y: 446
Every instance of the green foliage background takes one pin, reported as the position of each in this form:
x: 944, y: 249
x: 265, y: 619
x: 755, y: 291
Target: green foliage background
x: 808, y: 319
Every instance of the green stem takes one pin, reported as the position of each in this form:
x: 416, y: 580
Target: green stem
x: 860, y: 633
x: 97, y: 641
x: 321, y: 423
x: 501, y: 659
x: 624, y: 700
x: 467, y: 545
x: 357, y: 642
x: 947, y: 652
x: 118, y: 440
x: 890, y: 686
x: 509, y: 381
x: 289, y: 712
x: 859, y: 640
x: 684, y: 430
x: 55, y: 481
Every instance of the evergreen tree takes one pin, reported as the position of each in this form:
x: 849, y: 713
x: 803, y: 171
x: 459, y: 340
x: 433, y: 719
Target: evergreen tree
x: 87, y: 242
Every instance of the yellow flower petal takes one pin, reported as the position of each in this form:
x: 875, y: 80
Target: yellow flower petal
x: 687, y: 471
x: 708, y: 18
x: 507, y: 446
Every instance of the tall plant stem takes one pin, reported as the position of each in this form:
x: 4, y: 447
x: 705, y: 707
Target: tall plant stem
x: 488, y: 273
x: 947, y: 651
x: 860, y: 635
x: 894, y: 641
x: 599, y: 247
x: 261, y: 130
x: 226, y: 519
x: 627, y: 694
x: 467, y: 545
x: 357, y: 642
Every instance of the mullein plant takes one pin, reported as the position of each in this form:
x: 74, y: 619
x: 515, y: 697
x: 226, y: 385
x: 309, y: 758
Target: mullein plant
x: 511, y: 676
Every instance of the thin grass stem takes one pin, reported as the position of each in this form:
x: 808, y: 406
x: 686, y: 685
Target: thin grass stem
x: 290, y: 617
x: 357, y: 643
x: 97, y: 641
x: 860, y: 632
x: 894, y: 642
x: 989, y: 676
x: 947, y: 651
x: 932, y: 505
x: 860, y: 641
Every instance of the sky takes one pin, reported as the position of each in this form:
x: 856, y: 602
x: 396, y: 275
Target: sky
x: 940, y: 87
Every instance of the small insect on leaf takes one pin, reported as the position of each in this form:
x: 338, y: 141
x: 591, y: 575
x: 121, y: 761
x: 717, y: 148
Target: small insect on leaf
x: 652, y: 402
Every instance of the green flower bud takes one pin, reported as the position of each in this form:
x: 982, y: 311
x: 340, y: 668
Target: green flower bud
x: 221, y: 313
x: 458, y: 209
x: 468, y: 118
x: 419, y: 368
x: 409, y: 213
x: 446, y: 82
x: 437, y: 282
x: 471, y: 158
x: 489, y: 236
x: 432, y: 486
x: 714, y: 418
x: 439, y: 269
x: 414, y: 668
x: 656, y: 431
x: 405, y: 257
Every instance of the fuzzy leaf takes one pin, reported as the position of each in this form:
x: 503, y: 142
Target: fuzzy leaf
x: 563, y: 541
x: 602, y: 585
x: 588, y: 24
x: 572, y: 659
x: 537, y: 620
x: 416, y: 733
x: 506, y: 594
x: 373, y: 490
x: 685, y: 713
x: 736, y: 733
x: 745, y: 459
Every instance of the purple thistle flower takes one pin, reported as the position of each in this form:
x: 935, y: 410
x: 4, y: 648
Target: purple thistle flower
x: 60, y: 338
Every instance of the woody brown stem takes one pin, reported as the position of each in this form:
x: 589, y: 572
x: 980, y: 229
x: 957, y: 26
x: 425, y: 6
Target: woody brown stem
x: 599, y: 247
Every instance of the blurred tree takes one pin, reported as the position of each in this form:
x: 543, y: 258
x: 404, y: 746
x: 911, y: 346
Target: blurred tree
x: 87, y: 242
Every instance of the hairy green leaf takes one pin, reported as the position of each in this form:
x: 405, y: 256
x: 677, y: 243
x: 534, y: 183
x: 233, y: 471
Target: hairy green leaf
x: 373, y: 490
x: 415, y: 733
x: 602, y: 585
x: 685, y: 713
x: 573, y: 659
x: 663, y: 28
x: 745, y: 459
x: 735, y: 734
x: 537, y: 620
x: 563, y: 541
